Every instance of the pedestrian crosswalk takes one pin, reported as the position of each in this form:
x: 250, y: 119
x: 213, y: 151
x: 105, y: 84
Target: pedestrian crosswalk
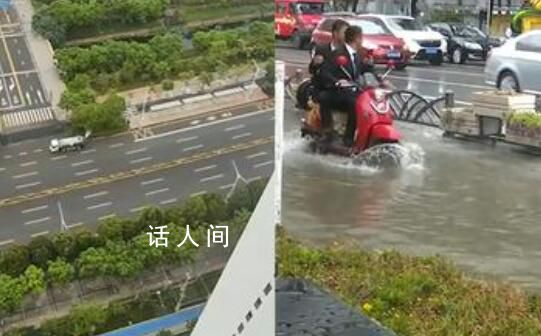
x: 24, y: 118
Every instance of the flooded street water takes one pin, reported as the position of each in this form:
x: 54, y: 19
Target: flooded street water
x: 476, y: 204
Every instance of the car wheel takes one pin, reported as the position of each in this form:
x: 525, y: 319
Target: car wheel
x: 458, y: 56
x: 508, y: 81
x: 436, y: 60
x: 296, y: 40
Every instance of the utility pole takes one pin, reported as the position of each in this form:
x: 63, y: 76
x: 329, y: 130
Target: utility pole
x: 413, y: 8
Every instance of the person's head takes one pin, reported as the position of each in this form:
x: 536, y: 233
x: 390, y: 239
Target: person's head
x: 354, y: 37
x: 339, y: 31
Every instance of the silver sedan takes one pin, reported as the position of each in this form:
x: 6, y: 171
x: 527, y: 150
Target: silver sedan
x: 516, y: 65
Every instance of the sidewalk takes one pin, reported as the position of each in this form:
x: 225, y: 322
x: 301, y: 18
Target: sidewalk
x: 43, y: 57
x: 199, y: 105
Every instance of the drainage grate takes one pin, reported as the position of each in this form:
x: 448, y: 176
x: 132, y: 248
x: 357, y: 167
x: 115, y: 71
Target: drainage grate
x: 303, y: 309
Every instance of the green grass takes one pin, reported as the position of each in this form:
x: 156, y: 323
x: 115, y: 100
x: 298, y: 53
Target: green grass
x: 413, y: 295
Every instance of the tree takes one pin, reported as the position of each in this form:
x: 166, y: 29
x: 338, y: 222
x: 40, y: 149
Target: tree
x: 65, y: 246
x: 112, y: 229
x: 168, y: 85
x: 105, y: 117
x: 41, y: 251
x: 11, y: 293
x: 15, y: 260
x: 151, y: 216
x: 246, y: 196
x: 87, y: 318
x: 60, y: 272
x: 164, y: 332
x: 48, y: 26
x: 34, y: 280
x: 85, y: 239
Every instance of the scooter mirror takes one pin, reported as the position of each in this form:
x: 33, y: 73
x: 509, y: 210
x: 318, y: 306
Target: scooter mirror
x: 341, y: 60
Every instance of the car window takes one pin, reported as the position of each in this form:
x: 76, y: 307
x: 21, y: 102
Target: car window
x: 406, y: 24
x: 309, y: 8
x: 468, y: 31
x: 530, y: 43
x: 370, y: 27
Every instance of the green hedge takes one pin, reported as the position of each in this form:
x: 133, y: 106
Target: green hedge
x: 119, y: 248
x: 413, y: 295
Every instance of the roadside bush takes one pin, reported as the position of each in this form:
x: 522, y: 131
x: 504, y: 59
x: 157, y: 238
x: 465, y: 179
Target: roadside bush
x: 14, y: 260
x: 41, y: 250
x: 60, y: 272
x: 105, y: 117
x: 167, y: 85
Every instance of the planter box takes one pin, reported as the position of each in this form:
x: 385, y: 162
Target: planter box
x: 518, y: 139
x: 504, y: 100
x: 460, y: 120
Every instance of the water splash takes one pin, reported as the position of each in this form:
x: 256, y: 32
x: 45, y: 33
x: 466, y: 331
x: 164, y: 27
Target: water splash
x: 409, y: 156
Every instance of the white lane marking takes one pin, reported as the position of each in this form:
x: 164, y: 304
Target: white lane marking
x: 210, y: 178
x: 120, y: 144
x: 28, y: 185
x: 98, y: 194
x: 135, y: 151
x: 144, y: 183
x: 227, y: 186
x: 254, y: 179
x: 141, y: 208
x: 39, y: 208
x: 101, y: 205
x: 7, y: 157
x: 59, y: 157
x: 23, y: 153
x: 2, y: 169
x: 88, y: 151
x: 81, y: 163
x: 74, y: 225
x: 480, y: 75
x: 253, y: 156
x: 195, y: 122
x: 234, y: 128
x: 169, y: 201
x: 262, y: 164
x: 243, y: 135
x: 87, y: 172
x: 26, y: 164
x: 42, y: 233
x: 34, y: 173
x: 5, y: 242
x: 193, y: 148
x: 102, y: 218
x: 39, y: 150
x: 200, y: 193
x: 211, y: 118
x: 198, y: 170
x: 217, y: 122
x: 186, y: 139
x: 154, y: 192
x: 147, y: 158
x: 37, y: 221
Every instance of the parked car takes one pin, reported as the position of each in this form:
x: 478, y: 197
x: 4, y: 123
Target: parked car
x: 378, y: 42
x: 296, y: 19
x: 423, y: 43
x: 465, y: 42
x: 516, y: 65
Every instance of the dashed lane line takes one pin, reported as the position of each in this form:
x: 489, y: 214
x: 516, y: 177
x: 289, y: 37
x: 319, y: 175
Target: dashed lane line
x: 101, y: 180
x: 94, y: 195
x: 253, y: 156
x: 34, y: 173
x: 211, y: 178
x: 39, y: 208
x: 158, y: 180
x: 154, y: 192
x: 98, y: 206
x: 37, y: 221
x: 262, y: 164
x: 6, y: 242
x: 87, y: 172
x: 198, y: 170
x: 169, y: 201
x: 42, y: 233
x: 199, y: 193
x: 243, y: 135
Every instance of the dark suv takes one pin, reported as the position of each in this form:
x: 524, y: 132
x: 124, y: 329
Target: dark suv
x: 464, y: 42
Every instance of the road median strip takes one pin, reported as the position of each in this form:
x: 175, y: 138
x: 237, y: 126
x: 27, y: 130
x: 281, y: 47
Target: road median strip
x: 114, y: 177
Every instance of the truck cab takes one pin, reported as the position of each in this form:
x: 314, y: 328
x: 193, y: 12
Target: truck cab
x: 296, y: 19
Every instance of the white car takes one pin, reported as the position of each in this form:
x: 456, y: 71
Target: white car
x: 516, y: 65
x: 423, y: 43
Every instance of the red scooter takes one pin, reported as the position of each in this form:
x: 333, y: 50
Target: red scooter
x: 374, y: 121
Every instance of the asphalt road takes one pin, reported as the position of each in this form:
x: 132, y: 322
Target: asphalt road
x: 20, y: 86
x: 28, y: 167
x: 430, y: 81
